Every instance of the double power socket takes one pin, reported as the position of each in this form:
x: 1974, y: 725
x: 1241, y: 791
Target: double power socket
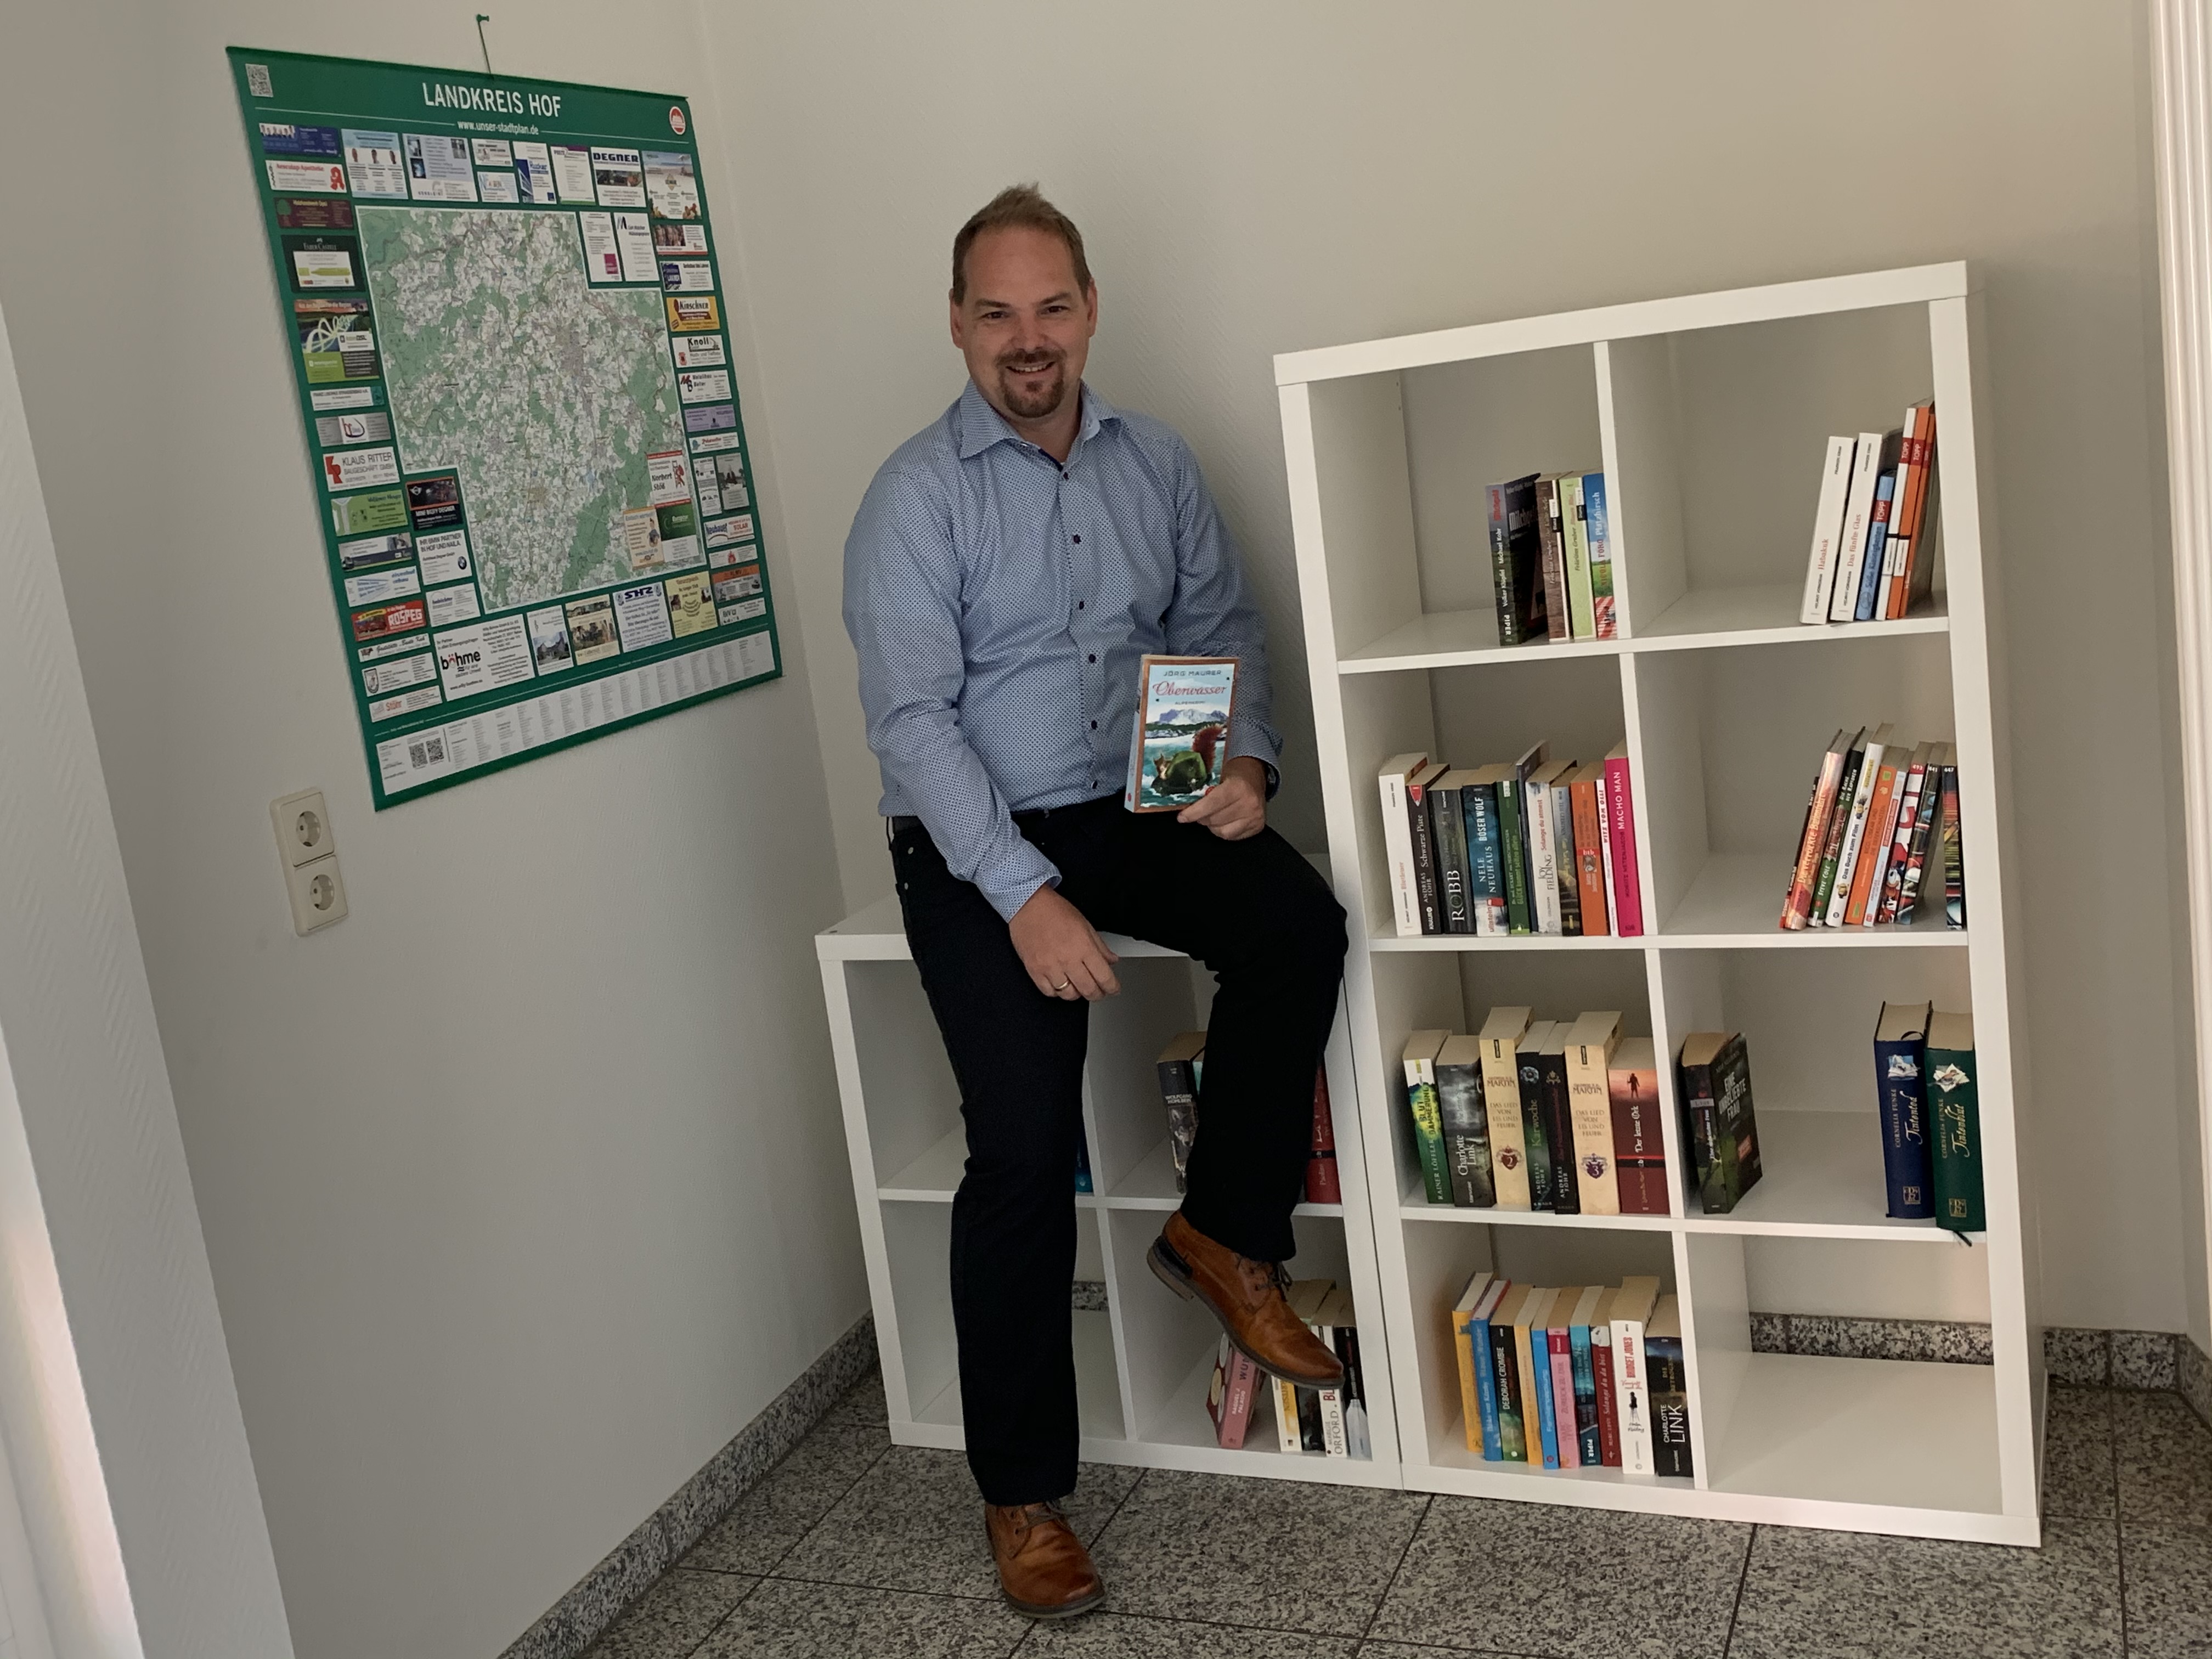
x: 311, y: 860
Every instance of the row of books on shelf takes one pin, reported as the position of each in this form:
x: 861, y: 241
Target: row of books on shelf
x: 1330, y: 1421
x: 1587, y: 1376
x: 1551, y: 558
x: 1181, y: 1069
x: 1532, y: 846
x: 1873, y: 532
x: 1927, y: 1082
x: 1879, y: 811
x: 1563, y: 1116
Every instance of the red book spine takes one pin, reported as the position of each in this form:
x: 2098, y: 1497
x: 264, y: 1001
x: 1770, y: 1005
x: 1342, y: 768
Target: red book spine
x: 1562, y: 1400
x: 1237, y: 1405
x: 1609, y: 1419
x: 1627, y: 891
x: 1797, y: 908
x: 1323, y: 1186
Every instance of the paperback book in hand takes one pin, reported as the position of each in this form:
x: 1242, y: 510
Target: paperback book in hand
x: 1182, y: 741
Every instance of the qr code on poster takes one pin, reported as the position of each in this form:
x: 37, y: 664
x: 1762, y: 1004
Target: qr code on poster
x: 256, y: 81
x: 429, y: 749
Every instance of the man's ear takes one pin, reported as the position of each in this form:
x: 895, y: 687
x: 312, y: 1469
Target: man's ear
x: 1090, y: 305
x: 959, y: 323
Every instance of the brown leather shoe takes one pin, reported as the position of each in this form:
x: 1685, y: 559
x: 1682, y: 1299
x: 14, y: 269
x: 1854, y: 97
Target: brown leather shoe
x: 1247, y: 1298
x: 1044, y: 1568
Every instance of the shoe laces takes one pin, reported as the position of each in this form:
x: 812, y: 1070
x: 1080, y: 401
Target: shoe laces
x: 1028, y: 1516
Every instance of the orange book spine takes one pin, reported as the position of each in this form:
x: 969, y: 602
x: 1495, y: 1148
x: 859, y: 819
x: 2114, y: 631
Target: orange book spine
x: 1878, y: 814
x: 1590, y: 858
x: 1916, y: 508
x: 1797, y: 904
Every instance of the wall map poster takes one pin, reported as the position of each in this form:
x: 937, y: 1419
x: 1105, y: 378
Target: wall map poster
x: 508, y: 335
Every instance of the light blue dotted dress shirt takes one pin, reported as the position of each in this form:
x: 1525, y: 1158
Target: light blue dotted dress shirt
x: 999, y: 600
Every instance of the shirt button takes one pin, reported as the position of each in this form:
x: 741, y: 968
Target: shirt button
x: 1078, y: 540
x: 1079, y: 605
x: 1090, y: 658
x: 1094, y: 725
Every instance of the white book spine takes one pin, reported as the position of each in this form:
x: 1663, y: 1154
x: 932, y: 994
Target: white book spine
x: 1858, y: 512
x: 1827, y: 531
x: 1631, y: 1400
x: 1398, y: 844
x: 1333, y: 1440
x: 1543, y: 859
x: 1847, y: 856
x: 1605, y: 852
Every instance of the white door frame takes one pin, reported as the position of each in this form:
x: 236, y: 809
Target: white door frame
x: 2181, y: 91
x: 119, y: 1421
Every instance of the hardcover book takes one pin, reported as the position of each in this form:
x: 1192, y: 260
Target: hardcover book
x: 1901, y: 1108
x: 1184, y: 707
x: 1955, y: 1104
x: 1421, y: 1104
x: 1589, y: 1043
x: 1639, y: 1147
x: 1465, y: 1125
x: 1723, y: 1135
x: 1517, y: 561
x: 1536, y: 1141
x: 1177, y: 1067
x: 1503, y: 1033
x: 1323, y: 1184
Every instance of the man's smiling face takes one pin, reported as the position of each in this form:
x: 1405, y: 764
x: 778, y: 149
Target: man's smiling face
x: 1024, y: 326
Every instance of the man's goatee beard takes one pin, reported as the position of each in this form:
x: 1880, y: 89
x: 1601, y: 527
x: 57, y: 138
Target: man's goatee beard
x: 1034, y: 406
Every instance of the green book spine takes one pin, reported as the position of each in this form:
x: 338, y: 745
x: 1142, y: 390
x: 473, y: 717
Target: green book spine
x: 1429, y: 1139
x: 1838, y: 821
x: 1581, y: 623
x: 1513, y: 851
x: 1956, y: 1125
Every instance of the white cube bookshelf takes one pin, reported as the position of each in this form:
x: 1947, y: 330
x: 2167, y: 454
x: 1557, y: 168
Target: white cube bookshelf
x: 1142, y: 1361
x: 1708, y: 415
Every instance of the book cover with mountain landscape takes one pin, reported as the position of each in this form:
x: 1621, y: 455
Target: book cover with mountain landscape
x: 1181, y: 742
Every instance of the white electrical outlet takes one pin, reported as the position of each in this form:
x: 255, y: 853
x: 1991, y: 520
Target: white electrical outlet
x: 310, y: 852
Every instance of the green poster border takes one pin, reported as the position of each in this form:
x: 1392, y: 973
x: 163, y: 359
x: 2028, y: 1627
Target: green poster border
x: 631, y: 117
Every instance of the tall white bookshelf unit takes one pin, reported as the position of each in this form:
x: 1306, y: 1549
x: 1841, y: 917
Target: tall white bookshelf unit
x: 1708, y: 415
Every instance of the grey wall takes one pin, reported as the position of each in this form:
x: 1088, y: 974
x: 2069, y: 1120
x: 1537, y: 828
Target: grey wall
x: 524, y: 1188
x: 1257, y: 178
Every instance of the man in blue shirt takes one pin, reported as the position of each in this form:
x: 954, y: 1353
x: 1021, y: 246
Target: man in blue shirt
x: 1007, y: 568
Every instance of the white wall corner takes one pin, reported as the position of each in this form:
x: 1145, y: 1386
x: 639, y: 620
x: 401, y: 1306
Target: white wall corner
x: 119, y: 1414
x: 2181, y: 87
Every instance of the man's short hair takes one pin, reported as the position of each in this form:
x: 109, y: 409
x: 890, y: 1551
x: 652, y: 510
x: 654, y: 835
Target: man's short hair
x: 1023, y: 205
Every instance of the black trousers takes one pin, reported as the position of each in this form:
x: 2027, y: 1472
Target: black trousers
x: 1255, y: 913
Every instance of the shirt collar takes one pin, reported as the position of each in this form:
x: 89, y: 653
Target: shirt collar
x: 982, y: 426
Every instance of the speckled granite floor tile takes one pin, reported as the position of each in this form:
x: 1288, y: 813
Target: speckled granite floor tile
x: 1547, y: 1579
x: 915, y: 1522
x: 1290, y: 1555
x: 763, y: 1525
x: 673, y: 1618
x: 863, y: 1402
x: 2164, y: 1457
x: 2169, y: 1578
x: 782, y: 1621
x: 1846, y: 1595
x: 1118, y: 1636
x: 2077, y: 1454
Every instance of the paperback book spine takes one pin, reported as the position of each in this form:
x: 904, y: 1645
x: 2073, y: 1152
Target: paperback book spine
x: 1608, y: 1409
x: 1701, y: 1117
x: 1485, y: 866
x: 1574, y: 546
x: 1854, y: 837
x: 1920, y: 568
x: 1243, y: 1385
x: 1536, y: 1141
x: 1597, y: 522
x: 1360, y: 1440
x: 1513, y: 852
x: 1506, y: 1383
x: 1330, y: 1402
x: 1900, y: 843
x: 1480, y: 1391
x: 1508, y: 1148
x: 1589, y: 1443
x: 1466, y: 1129
x: 1543, y: 867
x: 1839, y: 819
x: 1632, y: 1398
x: 1670, y: 1407
x: 1501, y: 566
x: 1179, y: 1090
x: 1590, y: 1114
x: 1605, y: 847
x: 1550, y: 527
x: 1425, y: 855
x: 1536, y: 1364
x: 1827, y: 527
x: 1873, y: 843
x: 1567, y: 1439
x: 1620, y: 810
x: 1428, y: 1128
x: 1563, y: 855
x: 1639, y: 1147
x: 1590, y: 858
x: 1924, y: 829
x: 1448, y: 833
x: 1870, y: 572
x: 1954, y: 867
x: 1900, y: 1095
x: 1858, y: 511
x: 1461, y: 1322
x: 1558, y: 1133
x: 1525, y: 558
x: 1398, y: 843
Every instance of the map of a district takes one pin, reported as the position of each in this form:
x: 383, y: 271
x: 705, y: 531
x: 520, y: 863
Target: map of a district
x: 500, y: 302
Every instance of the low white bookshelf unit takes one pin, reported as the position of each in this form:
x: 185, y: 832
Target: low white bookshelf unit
x: 1708, y: 415
x: 1144, y: 1358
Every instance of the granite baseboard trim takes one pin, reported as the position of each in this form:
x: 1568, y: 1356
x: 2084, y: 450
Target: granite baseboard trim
x: 575, y: 1622
x: 2083, y: 1359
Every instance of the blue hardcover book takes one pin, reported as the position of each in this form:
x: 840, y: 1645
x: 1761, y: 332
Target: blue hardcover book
x: 1486, y: 881
x: 1485, y: 1385
x: 1870, y: 581
x: 1546, y: 1419
x: 1901, y: 1092
x: 1586, y: 1434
